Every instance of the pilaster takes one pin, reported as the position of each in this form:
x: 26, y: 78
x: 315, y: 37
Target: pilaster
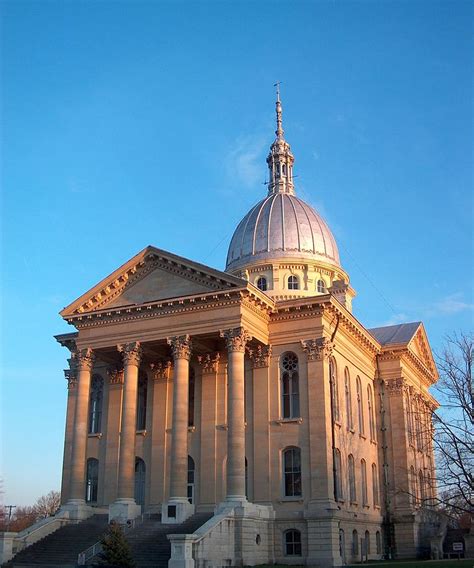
x: 115, y: 381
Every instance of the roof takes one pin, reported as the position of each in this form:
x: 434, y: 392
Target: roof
x: 395, y: 334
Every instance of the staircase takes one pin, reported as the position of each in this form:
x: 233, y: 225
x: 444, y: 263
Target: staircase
x: 60, y: 549
x: 151, y: 548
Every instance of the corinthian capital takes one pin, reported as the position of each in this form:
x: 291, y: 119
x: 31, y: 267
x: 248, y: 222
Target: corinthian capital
x: 317, y: 349
x: 131, y: 353
x: 236, y: 339
x: 160, y: 369
x: 180, y: 346
x: 209, y: 362
x: 260, y: 356
x: 84, y: 359
x: 71, y: 378
x: 115, y: 376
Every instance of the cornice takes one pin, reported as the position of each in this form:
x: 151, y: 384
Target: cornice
x: 405, y: 355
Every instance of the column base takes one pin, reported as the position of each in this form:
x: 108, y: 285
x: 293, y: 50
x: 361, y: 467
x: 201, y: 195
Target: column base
x: 123, y: 510
x: 75, y: 509
x: 176, y: 511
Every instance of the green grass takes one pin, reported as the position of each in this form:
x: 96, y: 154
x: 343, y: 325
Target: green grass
x: 469, y: 563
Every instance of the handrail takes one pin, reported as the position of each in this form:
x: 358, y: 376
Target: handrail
x: 25, y: 533
x: 96, y: 548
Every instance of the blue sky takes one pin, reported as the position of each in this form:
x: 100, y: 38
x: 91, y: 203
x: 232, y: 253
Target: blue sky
x: 135, y: 123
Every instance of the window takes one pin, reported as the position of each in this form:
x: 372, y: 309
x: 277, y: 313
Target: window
x: 355, y: 543
x: 410, y: 419
x: 421, y: 483
x: 95, y: 404
x: 290, y: 387
x: 293, y: 283
x: 412, y: 486
x: 140, y: 473
x: 378, y: 542
x: 352, y: 480
x: 262, y: 283
x: 292, y: 472
x: 334, y: 389
x: 292, y: 543
x: 363, y: 471
x: 338, y: 475
x: 141, y: 402
x: 375, y: 485
x: 360, y: 409
x: 191, y: 473
x: 191, y: 389
x: 321, y: 286
x: 367, y: 542
x: 92, y: 480
x: 370, y: 407
x: 348, y: 395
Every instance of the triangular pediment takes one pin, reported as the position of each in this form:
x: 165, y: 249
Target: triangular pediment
x: 152, y: 275
x: 419, y: 346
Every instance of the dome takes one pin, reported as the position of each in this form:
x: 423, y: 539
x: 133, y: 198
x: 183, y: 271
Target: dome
x: 281, y: 226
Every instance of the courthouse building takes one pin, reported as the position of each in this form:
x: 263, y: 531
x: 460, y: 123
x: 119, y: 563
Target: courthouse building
x: 253, y: 393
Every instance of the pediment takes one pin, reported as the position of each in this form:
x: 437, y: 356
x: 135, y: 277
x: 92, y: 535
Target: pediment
x: 152, y: 275
x: 419, y: 346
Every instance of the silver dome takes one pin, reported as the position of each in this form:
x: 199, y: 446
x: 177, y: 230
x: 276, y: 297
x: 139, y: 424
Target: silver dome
x: 281, y: 226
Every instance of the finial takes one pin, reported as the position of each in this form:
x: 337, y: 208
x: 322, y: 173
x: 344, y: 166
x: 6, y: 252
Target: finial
x: 279, y: 131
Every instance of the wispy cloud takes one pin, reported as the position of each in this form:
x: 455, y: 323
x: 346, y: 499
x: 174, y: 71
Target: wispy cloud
x: 395, y: 319
x: 246, y: 162
x: 451, y: 304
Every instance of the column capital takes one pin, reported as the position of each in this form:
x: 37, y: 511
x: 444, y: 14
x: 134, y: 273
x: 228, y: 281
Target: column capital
x: 83, y: 359
x: 160, y: 369
x: 131, y: 353
x: 396, y: 386
x: 260, y: 356
x: 71, y: 378
x: 318, y: 349
x: 236, y: 338
x: 115, y: 376
x: 181, y: 346
x: 209, y: 362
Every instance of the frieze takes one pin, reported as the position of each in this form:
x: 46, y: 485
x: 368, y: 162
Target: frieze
x: 116, y: 376
x: 209, y: 362
x: 236, y: 339
x: 181, y: 346
x: 317, y: 349
x: 131, y: 353
x: 160, y: 369
x: 260, y: 356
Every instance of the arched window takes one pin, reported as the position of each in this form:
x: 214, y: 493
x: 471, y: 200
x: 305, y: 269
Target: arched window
x: 355, y: 543
x: 290, y: 386
x: 262, y: 283
x: 334, y: 389
x: 191, y: 479
x: 140, y: 473
x: 92, y: 480
x: 95, y: 404
x: 292, y: 543
x: 375, y: 485
x: 360, y: 408
x: 429, y: 489
x: 410, y: 419
x: 292, y: 472
x: 367, y: 542
x: 191, y: 394
x: 419, y: 441
x: 352, y: 480
x: 321, y: 286
x: 370, y: 407
x: 412, y: 486
x: 338, y: 475
x: 141, y: 402
x: 293, y: 283
x: 421, y: 483
x: 348, y: 395
x: 246, y: 478
x: 378, y: 542
x: 363, y: 476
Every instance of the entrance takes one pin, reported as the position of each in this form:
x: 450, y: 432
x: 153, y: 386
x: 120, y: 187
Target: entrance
x: 140, y: 471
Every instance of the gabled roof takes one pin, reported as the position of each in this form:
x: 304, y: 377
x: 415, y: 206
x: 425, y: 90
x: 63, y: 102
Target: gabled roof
x: 151, y: 259
x: 395, y: 334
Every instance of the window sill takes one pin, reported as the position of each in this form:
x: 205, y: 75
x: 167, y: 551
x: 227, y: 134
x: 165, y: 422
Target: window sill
x: 191, y: 428
x: 141, y: 433
x: 374, y: 442
x: 95, y: 435
x: 337, y: 423
x: 282, y: 421
x: 354, y: 503
x: 296, y: 499
x: 221, y: 426
x: 351, y: 430
x: 363, y: 436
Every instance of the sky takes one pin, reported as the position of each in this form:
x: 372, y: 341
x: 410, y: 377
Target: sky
x: 132, y: 123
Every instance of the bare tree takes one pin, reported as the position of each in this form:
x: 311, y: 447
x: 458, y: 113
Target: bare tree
x: 454, y: 425
x: 47, y: 505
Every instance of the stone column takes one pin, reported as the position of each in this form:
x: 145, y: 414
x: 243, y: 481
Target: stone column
x: 178, y: 508
x: 236, y: 339
x: 76, y: 504
x: 124, y: 507
x: 71, y: 377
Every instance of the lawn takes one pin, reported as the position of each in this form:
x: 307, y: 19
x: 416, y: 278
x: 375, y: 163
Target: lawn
x: 420, y: 564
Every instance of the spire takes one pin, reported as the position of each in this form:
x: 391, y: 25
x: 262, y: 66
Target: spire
x: 280, y: 159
